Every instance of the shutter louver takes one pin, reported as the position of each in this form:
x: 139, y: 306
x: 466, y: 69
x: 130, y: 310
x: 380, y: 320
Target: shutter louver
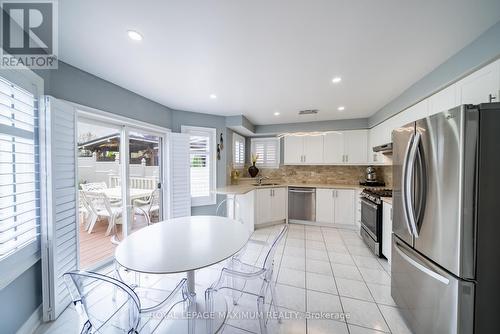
x: 267, y: 151
x: 239, y: 151
x: 60, y: 223
x: 19, y: 169
x: 180, y: 179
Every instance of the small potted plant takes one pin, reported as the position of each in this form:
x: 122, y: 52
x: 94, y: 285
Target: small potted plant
x: 252, y: 170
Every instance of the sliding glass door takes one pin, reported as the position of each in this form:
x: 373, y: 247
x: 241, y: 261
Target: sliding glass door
x: 120, y: 177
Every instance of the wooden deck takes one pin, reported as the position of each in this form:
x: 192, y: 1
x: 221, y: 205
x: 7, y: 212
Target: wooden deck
x: 96, y: 247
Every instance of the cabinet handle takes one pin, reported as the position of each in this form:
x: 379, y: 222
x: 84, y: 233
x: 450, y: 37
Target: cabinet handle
x: 492, y: 97
x: 346, y: 158
x: 305, y: 158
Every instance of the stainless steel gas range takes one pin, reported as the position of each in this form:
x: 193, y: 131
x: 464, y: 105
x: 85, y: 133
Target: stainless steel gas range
x: 371, y: 217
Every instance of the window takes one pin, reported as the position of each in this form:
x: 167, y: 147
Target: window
x: 267, y: 151
x: 238, y: 151
x: 202, y: 160
x: 19, y: 178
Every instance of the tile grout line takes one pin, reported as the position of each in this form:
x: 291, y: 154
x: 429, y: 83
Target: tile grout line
x: 335, y: 280
x: 366, y: 284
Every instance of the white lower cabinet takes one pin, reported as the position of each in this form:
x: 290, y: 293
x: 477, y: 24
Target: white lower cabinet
x: 270, y: 205
x: 336, y: 206
x: 386, y: 230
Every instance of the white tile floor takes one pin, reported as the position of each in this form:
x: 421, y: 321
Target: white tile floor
x: 318, y: 271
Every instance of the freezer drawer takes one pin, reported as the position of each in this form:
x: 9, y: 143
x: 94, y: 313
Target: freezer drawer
x: 432, y: 301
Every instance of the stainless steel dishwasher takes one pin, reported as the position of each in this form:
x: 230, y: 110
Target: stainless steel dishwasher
x: 302, y: 204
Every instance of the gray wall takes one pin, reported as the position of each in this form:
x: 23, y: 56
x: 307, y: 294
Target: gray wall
x: 20, y: 299
x: 481, y: 51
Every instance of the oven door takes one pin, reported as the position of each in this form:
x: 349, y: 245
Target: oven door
x: 369, y: 218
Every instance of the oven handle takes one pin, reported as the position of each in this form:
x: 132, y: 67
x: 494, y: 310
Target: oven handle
x: 370, y: 204
x: 404, y: 184
x: 301, y: 191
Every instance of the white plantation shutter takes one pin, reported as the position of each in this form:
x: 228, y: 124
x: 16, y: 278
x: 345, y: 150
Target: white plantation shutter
x: 180, y: 194
x: 19, y: 169
x: 59, y: 194
x: 238, y: 151
x: 268, y: 151
x: 202, y: 161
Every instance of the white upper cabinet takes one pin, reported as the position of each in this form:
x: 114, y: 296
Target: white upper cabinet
x: 444, y: 100
x: 303, y: 150
x: 294, y: 150
x: 481, y: 86
x: 355, y: 146
x: 313, y: 149
x: 333, y: 149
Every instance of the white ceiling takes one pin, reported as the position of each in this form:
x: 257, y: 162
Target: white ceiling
x: 263, y: 56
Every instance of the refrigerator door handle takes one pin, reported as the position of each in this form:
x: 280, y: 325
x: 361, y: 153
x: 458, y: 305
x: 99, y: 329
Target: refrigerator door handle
x: 404, y: 185
x: 420, y: 266
x: 412, y: 156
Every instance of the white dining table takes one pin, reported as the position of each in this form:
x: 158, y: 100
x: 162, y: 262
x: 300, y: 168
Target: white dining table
x: 115, y: 193
x: 182, y: 245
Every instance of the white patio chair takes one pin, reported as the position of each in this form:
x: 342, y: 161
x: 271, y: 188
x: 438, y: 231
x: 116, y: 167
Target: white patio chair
x: 89, y: 216
x: 258, y: 276
x: 93, y: 186
x: 108, y: 305
x: 102, y: 208
x: 149, y: 206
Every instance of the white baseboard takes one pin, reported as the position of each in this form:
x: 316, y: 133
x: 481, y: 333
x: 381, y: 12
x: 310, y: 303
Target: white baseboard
x: 33, y: 322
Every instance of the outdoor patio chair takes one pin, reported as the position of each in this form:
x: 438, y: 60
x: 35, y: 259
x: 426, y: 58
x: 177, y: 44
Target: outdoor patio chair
x: 149, y: 206
x: 107, y: 305
x: 93, y: 186
x: 102, y: 208
x: 88, y: 216
x: 249, y: 279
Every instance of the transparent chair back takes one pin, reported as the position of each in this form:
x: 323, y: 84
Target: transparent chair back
x: 105, y: 304
x: 229, y: 207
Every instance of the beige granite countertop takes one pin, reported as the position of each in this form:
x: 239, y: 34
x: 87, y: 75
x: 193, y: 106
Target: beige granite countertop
x: 388, y: 200
x: 240, y: 189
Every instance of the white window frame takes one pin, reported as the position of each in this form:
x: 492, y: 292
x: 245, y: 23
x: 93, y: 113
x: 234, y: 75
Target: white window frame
x: 278, y: 153
x: 211, y: 199
x: 238, y: 138
x: 14, y: 265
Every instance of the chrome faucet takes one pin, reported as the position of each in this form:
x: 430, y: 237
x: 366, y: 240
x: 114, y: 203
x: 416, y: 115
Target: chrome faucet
x: 259, y: 181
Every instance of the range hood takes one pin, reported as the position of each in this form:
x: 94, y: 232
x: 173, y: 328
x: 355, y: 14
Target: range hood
x: 386, y: 148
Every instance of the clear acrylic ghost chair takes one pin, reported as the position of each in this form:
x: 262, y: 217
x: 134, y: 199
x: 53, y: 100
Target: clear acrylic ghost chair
x: 149, y: 206
x: 223, y: 208
x: 105, y: 304
x: 108, y: 305
x: 238, y: 275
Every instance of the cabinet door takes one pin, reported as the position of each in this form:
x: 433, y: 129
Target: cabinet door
x: 294, y: 150
x: 443, y: 100
x: 313, y: 150
x: 344, y: 206
x: 263, y: 208
x: 386, y: 230
x: 278, y: 204
x: 324, y: 205
x: 333, y: 148
x: 355, y: 146
x: 477, y: 87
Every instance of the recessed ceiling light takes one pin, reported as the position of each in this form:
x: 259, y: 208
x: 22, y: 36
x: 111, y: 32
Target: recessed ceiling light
x: 134, y: 35
x: 336, y: 80
x: 341, y: 108
x: 276, y: 114
x: 213, y: 96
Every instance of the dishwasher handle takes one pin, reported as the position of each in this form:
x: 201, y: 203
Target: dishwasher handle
x: 302, y: 191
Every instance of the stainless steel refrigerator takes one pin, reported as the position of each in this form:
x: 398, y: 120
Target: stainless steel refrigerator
x: 445, y: 271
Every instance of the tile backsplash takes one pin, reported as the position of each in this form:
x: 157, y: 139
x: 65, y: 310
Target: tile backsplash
x: 322, y: 174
